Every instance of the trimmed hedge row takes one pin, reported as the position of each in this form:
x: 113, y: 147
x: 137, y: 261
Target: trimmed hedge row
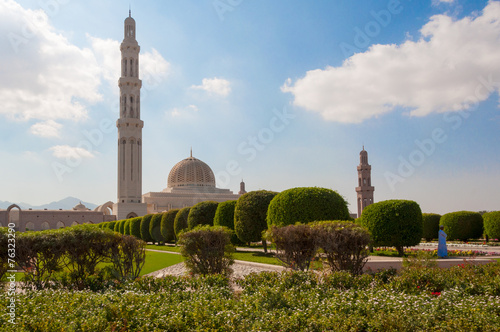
x: 167, y: 225
x: 462, y: 225
x: 492, y: 224
x: 430, y: 224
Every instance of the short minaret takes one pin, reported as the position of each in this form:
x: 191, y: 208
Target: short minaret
x: 364, y: 190
x: 242, y: 188
x: 129, y: 129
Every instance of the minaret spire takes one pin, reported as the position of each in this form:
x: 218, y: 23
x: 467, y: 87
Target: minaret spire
x: 129, y: 10
x: 364, y: 189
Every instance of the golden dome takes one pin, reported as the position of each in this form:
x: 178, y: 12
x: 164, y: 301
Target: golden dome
x: 191, y: 172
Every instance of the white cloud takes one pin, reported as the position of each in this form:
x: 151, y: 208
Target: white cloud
x: 188, y: 110
x: 445, y: 70
x: 44, y: 76
x: 218, y: 86
x: 48, y: 128
x: 66, y: 151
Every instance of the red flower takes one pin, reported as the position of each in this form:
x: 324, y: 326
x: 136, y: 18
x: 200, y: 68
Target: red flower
x: 436, y: 293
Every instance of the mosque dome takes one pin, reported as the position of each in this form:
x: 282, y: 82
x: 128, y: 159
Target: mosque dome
x: 191, y: 172
x: 80, y: 207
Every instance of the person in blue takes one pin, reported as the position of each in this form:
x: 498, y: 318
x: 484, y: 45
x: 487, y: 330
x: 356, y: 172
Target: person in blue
x: 442, y: 250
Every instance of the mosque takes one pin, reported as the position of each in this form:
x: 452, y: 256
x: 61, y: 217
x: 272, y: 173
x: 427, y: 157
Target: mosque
x: 189, y: 182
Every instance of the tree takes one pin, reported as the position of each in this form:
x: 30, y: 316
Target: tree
x: 126, y: 229
x: 396, y: 223
x: 135, y: 227
x: 492, y: 224
x: 224, y: 216
x: 462, y: 225
x: 430, y: 224
x: 306, y: 205
x: 202, y: 213
x: 167, y: 225
x: 250, y: 215
x: 155, y: 228
x: 181, y: 221
x: 145, y: 235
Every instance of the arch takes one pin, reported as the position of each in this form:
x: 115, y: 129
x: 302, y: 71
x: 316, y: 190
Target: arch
x: 45, y: 226
x: 74, y: 223
x: 14, y: 215
x: 106, y: 208
x: 60, y: 224
x: 131, y: 215
x: 30, y: 226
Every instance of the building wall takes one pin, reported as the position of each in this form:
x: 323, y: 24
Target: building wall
x: 161, y: 201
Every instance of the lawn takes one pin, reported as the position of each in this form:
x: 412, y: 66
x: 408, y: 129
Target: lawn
x: 158, y: 260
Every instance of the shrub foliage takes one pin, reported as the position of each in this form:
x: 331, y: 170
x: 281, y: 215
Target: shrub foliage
x: 430, y: 224
x: 155, y: 228
x: 306, y: 205
x: 462, y: 225
x: 224, y: 216
x: 394, y: 223
x: 295, y: 245
x: 207, y: 250
x: 492, y: 224
x: 167, y: 225
x: 202, y: 213
x: 145, y: 235
x: 135, y: 227
x: 181, y: 221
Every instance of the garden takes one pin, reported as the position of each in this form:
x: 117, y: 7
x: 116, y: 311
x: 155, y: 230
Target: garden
x: 91, y: 277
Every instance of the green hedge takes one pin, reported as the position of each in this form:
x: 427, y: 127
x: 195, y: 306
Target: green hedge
x: 126, y: 229
x: 430, y: 224
x: 250, y: 215
x: 181, y: 221
x: 135, y: 227
x: 111, y: 225
x: 306, y: 205
x: 145, y: 235
x: 224, y: 216
x: 462, y: 225
x: 492, y: 224
x: 167, y: 225
x: 116, y: 226
x: 202, y: 214
x: 394, y: 223
x: 155, y: 228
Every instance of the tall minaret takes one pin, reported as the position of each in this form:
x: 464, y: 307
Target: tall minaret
x: 364, y: 190
x: 129, y: 129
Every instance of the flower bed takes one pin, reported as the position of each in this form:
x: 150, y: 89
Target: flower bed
x: 388, y: 251
x: 461, y: 298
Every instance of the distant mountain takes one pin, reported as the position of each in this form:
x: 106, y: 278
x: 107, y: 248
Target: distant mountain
x: 66, y: 204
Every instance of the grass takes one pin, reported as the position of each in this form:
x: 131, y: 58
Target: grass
x: 158, y: 260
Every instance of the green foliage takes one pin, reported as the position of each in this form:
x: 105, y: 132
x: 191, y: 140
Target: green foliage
x: 462, y: 225
x: 224, y: 216
x: 344, y: 245
x: 155, y: 228
x: 306, y: 205
x: 145, y: 235
x: 181, y: 221
x: 492, y: 224
x: 430, y: 224
x: 135, y: 227
x: 167, y: 225
x: 207, y: 250
x: 202, y: 214
x: 126, y: 229
x: 394, y: 223
x: 116, y: 226
x: 4, y: 254
x: 250, y: 215
x: 295, y: 245
x: 110, y: 225
x: 122, y: 226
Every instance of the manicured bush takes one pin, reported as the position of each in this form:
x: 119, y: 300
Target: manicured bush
x: 394, y: 223
x: 181, y: 221
x: 462, y: 225
x: 492, y: 224
x: 306, y: 205
x: 344, y: 244
x: 145, y: 235
x: 116, y: 226
x: 111, y: 225
x: 126, y: 229
x: 155, y: 228
x: 430, y: 224
x: 167, y: 225
x: 128, y: 257
x: 250, y: 215
x: 135, y: 227
x: 202, y: 214
x: 224, y: 216
x: 295, y: 245
x: 207, y: 250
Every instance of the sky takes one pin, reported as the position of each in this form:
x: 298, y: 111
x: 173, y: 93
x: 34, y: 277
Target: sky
x: 281, y: 94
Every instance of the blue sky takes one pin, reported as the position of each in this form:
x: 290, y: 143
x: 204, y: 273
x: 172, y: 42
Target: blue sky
x: 278, y: 93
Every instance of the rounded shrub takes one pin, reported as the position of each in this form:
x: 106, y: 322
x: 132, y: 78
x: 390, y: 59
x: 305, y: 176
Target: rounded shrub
x: 395, y: 223
x: 167, y: 225
x: 202, y: 214
x: 110, y: 225
x: 181, y: 221
x: 155, y: 228
x: 492, y: 224
x: 250, y: 215
x: 305, y: 205
x: 462, y: 225
x: 126, y: 229
x: 224, y: 216
x: 116, y: 226
x: 122, y: 226
x: 295, y: 245
x: 430, y: 224
x: 135, y: 227
x: 145, y: 235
